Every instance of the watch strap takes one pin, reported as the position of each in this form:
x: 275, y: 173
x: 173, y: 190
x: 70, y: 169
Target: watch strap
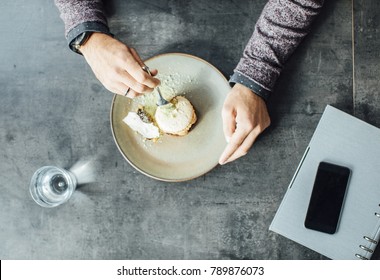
x: 76, y: 38
x: 80, y: 40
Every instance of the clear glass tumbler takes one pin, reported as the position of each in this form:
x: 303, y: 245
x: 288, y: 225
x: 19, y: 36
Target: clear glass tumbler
x: 51, y: 186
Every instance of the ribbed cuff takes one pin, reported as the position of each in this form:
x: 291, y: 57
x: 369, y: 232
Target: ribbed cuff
x: 93, y: 26
x: 252, y: 85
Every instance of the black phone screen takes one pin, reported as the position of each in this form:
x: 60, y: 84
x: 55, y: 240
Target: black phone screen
x: 327, y: 197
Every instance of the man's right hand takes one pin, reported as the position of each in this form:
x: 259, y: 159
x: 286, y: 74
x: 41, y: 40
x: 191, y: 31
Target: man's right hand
x: 117, y: 66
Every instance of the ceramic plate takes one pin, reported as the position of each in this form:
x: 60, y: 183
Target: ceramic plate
x: 177, y: 158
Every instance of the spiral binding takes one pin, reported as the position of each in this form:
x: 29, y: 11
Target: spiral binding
x: 366, y: 249
x: 360, y: 257
x: 369, y: 240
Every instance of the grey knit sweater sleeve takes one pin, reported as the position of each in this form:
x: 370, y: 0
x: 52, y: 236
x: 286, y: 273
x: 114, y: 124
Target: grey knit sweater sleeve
x: 280, y: 28
x: 82, y: 15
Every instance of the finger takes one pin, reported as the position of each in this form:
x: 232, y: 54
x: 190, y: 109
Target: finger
x: 154, y: 72
x: 137, y: 57
x: 120, y: 88
x: 123, y: 89
x: 130, y: 94
x: 141, y: 62
x: 243, y: 149
x: 133, y: 94
x: 229, y: 123
x: 236, y: 140
x: 124, y: 80
x: 139, y: 74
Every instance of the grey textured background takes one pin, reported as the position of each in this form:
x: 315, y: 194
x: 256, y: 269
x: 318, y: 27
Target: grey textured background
x: 54, y: 112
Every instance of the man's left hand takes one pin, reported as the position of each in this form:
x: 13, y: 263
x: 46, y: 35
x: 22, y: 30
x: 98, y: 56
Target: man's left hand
x: 245, y: 117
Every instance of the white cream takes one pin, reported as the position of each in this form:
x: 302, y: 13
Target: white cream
x: 147, y: 130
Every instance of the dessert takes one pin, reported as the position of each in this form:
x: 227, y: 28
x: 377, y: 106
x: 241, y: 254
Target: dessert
x: 177, y: 117
x: 152, y: 121
x: 142, y: 123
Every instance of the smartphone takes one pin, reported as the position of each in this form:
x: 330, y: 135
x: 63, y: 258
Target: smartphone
x: 327, y: 197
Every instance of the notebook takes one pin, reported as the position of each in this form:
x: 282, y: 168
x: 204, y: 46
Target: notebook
x: 344, y: 140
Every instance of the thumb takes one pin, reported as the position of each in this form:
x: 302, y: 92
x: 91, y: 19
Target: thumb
x: 136, y: 56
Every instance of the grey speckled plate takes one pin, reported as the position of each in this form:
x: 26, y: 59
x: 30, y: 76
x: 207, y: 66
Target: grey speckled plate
x: 176, y: 158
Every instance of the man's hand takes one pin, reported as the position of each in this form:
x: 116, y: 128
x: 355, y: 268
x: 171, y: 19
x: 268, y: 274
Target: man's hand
x: 245, y: 116
x: 117, y: 66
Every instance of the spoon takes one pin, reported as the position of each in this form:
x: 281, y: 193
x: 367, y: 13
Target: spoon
x: 161, y: 101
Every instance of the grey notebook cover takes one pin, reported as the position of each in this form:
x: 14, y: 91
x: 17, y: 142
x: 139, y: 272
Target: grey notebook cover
x: 344, y: 140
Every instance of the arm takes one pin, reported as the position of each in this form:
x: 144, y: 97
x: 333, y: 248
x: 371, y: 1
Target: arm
x: 82, y: 15
x: 280, y: 28
x: 117, y: 66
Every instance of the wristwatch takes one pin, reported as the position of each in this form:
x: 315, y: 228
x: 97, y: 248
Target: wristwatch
x: 79, y: 41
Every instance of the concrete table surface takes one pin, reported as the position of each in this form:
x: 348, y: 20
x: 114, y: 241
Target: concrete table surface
x: 53, y: 111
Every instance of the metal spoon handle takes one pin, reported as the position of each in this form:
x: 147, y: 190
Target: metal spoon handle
x: 161, y: 101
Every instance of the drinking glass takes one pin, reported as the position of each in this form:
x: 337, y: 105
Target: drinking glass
x: 51, y: 186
